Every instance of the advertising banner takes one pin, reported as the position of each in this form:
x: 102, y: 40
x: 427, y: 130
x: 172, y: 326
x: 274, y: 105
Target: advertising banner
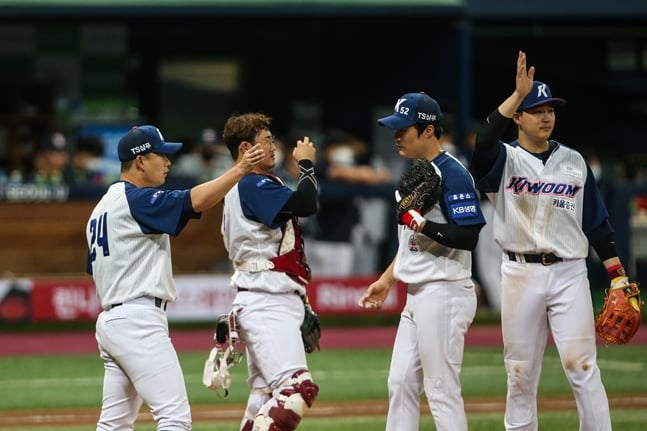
x: 200, y: 298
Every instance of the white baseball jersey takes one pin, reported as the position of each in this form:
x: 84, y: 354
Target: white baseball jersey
x: 543, y: 207
x: 420, y: 258
x: 251, y: 229
x: 129, y: 251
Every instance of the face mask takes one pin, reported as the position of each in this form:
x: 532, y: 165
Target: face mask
x: 342, y: 156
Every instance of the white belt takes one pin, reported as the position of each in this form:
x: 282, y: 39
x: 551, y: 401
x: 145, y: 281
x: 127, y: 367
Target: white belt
x: 256, y: 266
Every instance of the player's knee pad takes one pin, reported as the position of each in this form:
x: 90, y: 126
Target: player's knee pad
x: 256, y: 400
x: 285, y: 410
x: 247, y: 425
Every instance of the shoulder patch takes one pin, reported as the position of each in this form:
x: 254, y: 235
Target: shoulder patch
x: 574, y: 172
x: 156, y: 195
x: 263, y: 181
x: 463, y: 205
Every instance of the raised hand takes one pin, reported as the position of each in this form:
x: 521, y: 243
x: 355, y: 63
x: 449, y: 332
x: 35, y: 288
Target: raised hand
x: 525, y: 76
x: 305, y: 149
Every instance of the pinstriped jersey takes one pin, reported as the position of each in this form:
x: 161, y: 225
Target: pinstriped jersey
x: 543, y: 207
x: 251, y: 229
x: 421, y: 259
x: 129, y: 252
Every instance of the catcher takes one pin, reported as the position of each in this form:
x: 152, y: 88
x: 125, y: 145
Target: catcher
x: 263, y: 238
x: 440, y: 219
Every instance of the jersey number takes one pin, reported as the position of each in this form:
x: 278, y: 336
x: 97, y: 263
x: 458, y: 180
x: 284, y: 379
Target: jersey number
x: 99, y: 231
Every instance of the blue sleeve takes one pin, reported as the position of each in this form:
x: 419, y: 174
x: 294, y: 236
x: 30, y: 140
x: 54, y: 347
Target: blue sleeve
x: 159, y: 211
x: 594, y: 212
x: 262, y: 199
x: 460, y: 202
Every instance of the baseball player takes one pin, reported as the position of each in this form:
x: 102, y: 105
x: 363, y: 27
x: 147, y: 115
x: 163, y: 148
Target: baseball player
x: 547, y: 209
x: 434, y: 260
x: 263, y: 238
x: 129, y: 258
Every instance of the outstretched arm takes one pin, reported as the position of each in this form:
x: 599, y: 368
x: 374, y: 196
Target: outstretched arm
x: 208, y: 194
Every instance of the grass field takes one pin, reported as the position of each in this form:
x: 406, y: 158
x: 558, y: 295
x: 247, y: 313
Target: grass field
x: 36, y: 383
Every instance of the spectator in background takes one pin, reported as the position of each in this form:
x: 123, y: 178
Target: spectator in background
x: 90, y: 166
x: 332, y: 253
x: 51, y: 165
x: 207, y: 159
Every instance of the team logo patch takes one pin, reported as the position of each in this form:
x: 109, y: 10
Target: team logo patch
x: 573, y: 172
x: 463, y: 205
x: 463, y: 210
x: 263, y: 181
x: 414, y: 245
x: 156, y: 196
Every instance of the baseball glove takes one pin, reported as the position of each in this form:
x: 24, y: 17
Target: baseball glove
x: 619, y: 318
x: 418, y: 191
x: 310, y: 328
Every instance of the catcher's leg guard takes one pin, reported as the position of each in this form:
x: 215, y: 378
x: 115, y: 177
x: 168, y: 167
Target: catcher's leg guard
x: 257, y: 398
x: 285, y: 410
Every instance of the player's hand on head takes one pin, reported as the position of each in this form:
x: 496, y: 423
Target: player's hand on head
x: 305, y: 149
x: 525, y: 75
x: 251, y: 158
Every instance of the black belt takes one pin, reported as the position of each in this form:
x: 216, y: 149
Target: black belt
x: 159, y: 303
x: 244, y: 289
x: 543, y: 258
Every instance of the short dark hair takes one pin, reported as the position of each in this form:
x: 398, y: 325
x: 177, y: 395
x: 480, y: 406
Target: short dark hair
x: 438, y: 129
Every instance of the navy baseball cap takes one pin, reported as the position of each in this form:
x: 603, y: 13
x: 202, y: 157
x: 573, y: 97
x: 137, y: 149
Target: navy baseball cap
x: 144, y: 140
x: 413, y: 108
x: 540, y: 95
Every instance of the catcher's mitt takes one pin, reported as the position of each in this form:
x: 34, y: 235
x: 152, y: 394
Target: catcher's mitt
x: 619, y: 318
x: 310, y: 328
x: 418, y: 191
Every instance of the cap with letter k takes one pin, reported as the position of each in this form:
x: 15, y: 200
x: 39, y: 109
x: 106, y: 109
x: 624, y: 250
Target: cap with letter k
x: 539, y: 95
x: 413, y: 108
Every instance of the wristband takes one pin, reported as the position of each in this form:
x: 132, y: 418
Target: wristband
x: 414, y: 220
x: 616, y: 271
